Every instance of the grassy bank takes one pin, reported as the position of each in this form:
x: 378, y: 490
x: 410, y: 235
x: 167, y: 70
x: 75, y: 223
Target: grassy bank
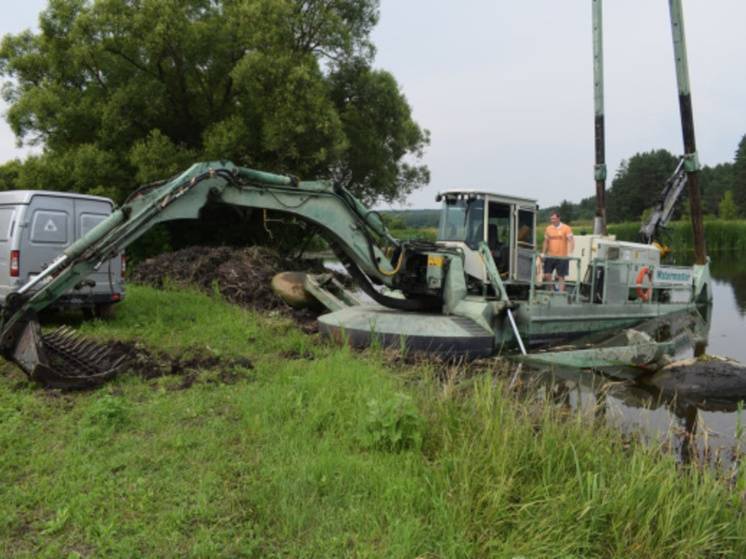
x: 318, y: 451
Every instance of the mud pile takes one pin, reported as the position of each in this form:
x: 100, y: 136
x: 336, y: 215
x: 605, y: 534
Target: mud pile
x: 193, y: 365
x: 241, y: 275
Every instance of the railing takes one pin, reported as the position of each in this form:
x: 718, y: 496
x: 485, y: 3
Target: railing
x: 576, y: 284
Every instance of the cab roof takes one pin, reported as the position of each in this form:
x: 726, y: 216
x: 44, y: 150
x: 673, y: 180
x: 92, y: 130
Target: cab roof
x: 489, y: 195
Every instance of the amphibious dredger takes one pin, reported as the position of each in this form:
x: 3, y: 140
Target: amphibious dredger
x: 468, y: 293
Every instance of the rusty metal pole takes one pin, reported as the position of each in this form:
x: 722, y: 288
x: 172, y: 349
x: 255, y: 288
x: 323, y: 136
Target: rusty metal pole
x: 691, y: 159
x: 599, y: 223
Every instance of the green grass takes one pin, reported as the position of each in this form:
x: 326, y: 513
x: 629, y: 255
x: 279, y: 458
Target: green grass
x: 720, y: 235
x: 411, y: 233
x: 338, y: 455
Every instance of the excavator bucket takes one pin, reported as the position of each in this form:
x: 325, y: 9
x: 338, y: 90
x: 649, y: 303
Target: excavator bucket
x: 62, y: 359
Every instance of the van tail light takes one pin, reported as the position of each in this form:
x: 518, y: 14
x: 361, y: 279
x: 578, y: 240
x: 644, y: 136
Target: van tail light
x: 124, y: 263
x: 15, y: 263
x: 116, y: 297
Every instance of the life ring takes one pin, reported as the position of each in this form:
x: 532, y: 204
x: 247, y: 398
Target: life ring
x: 644, y: 294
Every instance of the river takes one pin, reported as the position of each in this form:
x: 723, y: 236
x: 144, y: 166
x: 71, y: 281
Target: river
x: 728, y: 324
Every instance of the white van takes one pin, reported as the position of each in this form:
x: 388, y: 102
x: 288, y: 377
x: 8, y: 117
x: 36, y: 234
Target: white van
x: 36, y: 226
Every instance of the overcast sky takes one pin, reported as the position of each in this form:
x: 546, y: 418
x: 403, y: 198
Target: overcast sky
x: 506, y: 87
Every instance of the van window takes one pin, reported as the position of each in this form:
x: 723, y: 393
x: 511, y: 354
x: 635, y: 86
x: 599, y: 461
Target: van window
x: 88, y: 221
x: 6, y: 221
x: 49, y: 226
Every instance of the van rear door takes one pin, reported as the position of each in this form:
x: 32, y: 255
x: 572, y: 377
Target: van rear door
x: 49, y: 230
x: 108, y: 278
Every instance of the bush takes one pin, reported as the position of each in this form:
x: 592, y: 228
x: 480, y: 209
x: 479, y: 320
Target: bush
x: 107, y: 415
x: 394, y: 425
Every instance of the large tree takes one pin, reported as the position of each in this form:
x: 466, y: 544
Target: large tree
x: 126, y: 91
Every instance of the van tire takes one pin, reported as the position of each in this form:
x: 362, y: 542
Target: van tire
x: 104, y: 311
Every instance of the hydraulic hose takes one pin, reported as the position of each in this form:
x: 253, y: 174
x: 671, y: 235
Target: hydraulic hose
x: 425, y: 304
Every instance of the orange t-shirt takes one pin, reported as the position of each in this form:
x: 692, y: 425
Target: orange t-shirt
x: 558, y: 237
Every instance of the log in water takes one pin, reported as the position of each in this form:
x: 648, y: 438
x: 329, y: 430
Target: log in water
x: 702, y: 379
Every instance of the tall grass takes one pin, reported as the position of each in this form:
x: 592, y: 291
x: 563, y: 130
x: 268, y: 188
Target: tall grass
x: 720, y: 235
x: 325, y: 452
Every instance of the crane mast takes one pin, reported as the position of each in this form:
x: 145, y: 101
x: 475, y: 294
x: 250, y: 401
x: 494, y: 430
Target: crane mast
x: 599, y: 222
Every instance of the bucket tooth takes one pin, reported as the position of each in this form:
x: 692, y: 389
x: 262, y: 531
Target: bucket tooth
x: 100, y: 353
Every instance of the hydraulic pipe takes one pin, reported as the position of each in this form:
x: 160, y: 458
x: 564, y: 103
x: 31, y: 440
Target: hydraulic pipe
x: 264, y: 177
x: 599, y: 223
x: 691, y: 159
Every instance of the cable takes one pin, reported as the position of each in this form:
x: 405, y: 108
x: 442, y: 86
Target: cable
x: 396, y: 268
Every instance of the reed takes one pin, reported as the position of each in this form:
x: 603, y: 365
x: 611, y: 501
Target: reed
x: 720, y: 234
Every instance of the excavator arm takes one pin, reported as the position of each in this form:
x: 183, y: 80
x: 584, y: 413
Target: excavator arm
x: 662, y: 213
x: 356, y: 234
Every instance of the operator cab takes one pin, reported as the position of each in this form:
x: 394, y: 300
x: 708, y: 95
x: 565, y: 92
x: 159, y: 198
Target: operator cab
x: 506, y: 223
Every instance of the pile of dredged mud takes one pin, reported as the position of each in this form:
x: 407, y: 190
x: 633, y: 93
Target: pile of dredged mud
x: 242, y: 276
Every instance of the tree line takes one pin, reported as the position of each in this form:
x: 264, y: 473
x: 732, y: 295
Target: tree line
x: 639, y: 180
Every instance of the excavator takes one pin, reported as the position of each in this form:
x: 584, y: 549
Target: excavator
x: 424, y: 275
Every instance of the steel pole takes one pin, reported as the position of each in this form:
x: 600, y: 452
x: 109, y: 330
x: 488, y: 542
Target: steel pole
x: 691, y: 159
x: 599, y: 223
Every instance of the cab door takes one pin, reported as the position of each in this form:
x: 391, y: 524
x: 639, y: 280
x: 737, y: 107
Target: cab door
x: 524, y: 233
x: 500, y: 236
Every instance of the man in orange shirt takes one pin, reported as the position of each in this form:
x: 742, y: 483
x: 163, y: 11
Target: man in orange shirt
x: 558, y: 241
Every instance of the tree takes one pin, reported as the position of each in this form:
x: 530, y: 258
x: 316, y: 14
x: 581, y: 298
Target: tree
x: 739, y: 177
x: 566, y: 211
x: 638, y: 183
x: 714, y: 182
x: 727, y: 208
x: 126, y: 91
x: 9, y: 174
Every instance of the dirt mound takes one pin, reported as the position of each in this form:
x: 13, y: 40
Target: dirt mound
x: 242, y: 275
x: 193, y: 364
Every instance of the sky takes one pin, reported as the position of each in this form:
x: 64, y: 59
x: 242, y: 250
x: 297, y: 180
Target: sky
x: 506, y: 88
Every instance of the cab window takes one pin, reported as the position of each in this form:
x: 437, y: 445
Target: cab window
x: 525, y: 234
x: 462, y: 220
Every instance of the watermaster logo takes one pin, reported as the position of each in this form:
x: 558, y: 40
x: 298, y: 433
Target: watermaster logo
x: 668, y: 275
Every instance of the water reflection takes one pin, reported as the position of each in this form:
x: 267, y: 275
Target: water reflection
x: 701, y: 431
x: 730, y: 269
x: 728, y: 322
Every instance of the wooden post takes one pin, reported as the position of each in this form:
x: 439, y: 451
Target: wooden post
x: 691, y: 160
